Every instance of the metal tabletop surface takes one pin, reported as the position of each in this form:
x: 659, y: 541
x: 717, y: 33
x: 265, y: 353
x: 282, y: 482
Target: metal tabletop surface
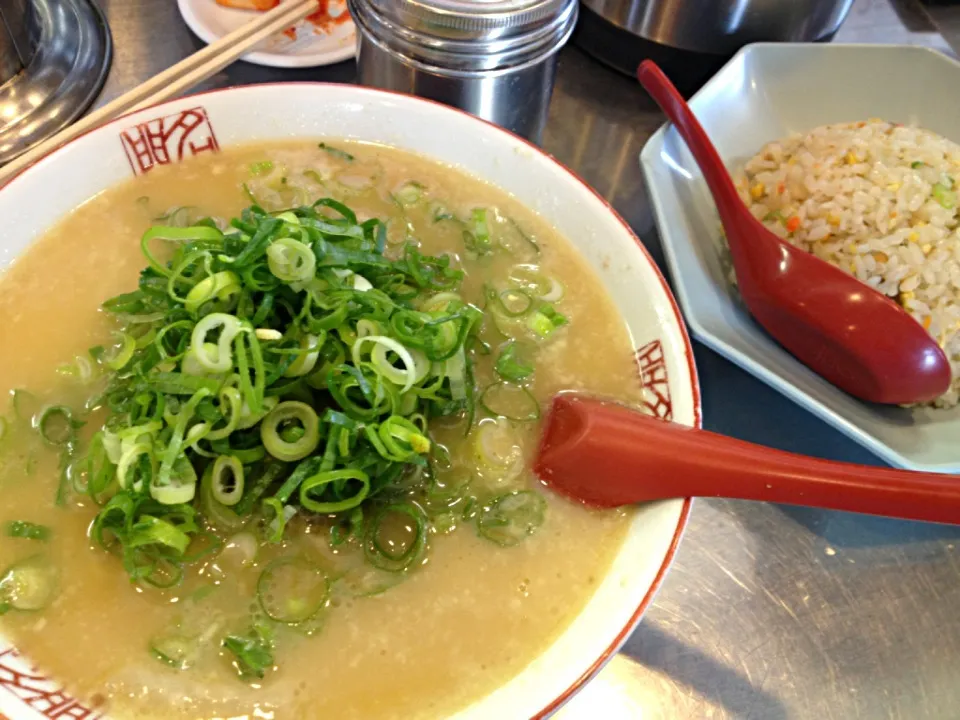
x: 769, y: 612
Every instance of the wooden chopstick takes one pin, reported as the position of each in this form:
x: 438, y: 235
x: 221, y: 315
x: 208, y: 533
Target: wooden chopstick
x: 174, y: 80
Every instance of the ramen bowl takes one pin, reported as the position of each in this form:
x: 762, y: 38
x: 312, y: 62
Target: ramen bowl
x: 206, y: 124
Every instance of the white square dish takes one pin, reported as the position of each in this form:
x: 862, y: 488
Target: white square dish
x: 766, y: 92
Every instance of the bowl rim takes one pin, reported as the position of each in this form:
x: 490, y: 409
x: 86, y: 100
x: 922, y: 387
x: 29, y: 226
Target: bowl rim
x: 696, y: 399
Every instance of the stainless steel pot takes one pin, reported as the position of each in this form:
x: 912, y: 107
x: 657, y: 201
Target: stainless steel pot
x: 721, y: 27
x: 54, y: 58
x: 493, y: 58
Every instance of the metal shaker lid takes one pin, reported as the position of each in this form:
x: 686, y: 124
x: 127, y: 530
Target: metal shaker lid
x: 469, y: 34
x: 479, y: 18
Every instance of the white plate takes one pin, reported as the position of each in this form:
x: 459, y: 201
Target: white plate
x: 768, y: 91
x: 206, y: 122
x: 312, y: 47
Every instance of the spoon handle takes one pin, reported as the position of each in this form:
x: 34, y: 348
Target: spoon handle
x: 608, y: 455
x: 676, y: 109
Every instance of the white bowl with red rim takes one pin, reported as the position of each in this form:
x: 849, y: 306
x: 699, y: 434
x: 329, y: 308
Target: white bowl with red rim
x: 208, y: 122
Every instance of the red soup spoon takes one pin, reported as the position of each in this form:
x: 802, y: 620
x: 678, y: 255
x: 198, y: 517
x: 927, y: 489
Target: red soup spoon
x: 847, y: 332
x: 606, y: 455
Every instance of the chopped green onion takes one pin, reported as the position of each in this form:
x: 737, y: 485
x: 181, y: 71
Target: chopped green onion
x: 241, y: 549
x: 336, y: 152
x: 409, y: 194
x: 27, y: 530
x: 946, y: 197
x: 178, y: 234
x: 56, y: 425
x: 227, y: 487
x: 177, y: 651
x: 261, y: 168
x: 514, y: 303
x: 513, y: 402
x: 306, y: 361
x: 220, y: 286
x: 25, y: 404
x: 917, y: 164
x: 441, y: 212
x: 117, y: 356
x: 512, y: 238
x: 511, y: 518
x: 29, y: 584
x: 284, y: 414
x: 495, y: 445
x: 396, y: 537
x: 221, y: 360
x: 275, y: 518
x: 294, y: 365
x: 252, y: 653
x: 355, y: 486
x: 511, y: 367
x: 218, y: 514
x: 381, y: 362
x: 291, y: 261
x: 545, y: 321
x: 292, y: 590
x: 478, y: 238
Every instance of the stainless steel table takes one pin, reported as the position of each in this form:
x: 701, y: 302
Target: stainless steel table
x: 769, y: 612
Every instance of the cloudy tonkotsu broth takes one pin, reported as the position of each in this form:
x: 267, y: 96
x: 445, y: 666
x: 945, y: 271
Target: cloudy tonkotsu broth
x: 462, y: 619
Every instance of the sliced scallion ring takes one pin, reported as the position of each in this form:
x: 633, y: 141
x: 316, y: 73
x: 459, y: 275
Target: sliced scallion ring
x: 220, y: 286
x: 229, y: 327
x: 512, y: 238
x: 29, y: 584
x: 291, y: 261
x: 182, y: 486
x: 248, y: 418
x: 514, y: 402
x: 179, y: 234
x: 409, y: 193
x: 191, y: 364
x: 231, y: 404
x: 530, y: 278
x: 240, y: 549
x: 227, y: 481
x: 495, y: 443
x: 177, y: 651
x: 218, y: 514
x: 382, y: 345
x: 117, y: 356
x: 56, y: 425
x: 514, y: 302
x: 313, y: 490
x: 396, y: 537
x: 285, y: 413
x: 511, y: 518
x: 307, y: 359
x: 292, y: 590
x: 275, y: 518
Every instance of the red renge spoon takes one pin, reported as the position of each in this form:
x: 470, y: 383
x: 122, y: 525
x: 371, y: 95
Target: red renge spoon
x: 607, y: 455
x: 847, y: 332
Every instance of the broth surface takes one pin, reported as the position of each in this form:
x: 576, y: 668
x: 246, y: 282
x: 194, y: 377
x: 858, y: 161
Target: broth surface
x: 471, y: 617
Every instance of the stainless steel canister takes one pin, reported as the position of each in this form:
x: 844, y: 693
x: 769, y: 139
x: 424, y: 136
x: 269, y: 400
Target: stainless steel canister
x: 493, y: 58
x: 723, y: 26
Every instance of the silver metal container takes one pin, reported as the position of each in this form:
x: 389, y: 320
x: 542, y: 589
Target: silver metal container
x: 54, y: 58
x: 723, y: 26
x: 493, y: 58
